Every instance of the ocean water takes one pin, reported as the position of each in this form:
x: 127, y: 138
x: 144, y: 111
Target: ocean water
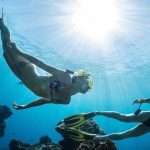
x: 120, y: 68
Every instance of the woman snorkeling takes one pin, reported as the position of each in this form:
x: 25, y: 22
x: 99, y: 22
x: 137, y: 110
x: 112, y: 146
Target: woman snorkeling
x: 57, y: 87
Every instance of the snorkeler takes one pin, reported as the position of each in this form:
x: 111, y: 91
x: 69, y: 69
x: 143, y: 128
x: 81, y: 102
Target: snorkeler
x: 57, y: 87
x: 68, y: 127
x: 141, y: 117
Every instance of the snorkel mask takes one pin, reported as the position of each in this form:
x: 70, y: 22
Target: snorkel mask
x: 82, y: 73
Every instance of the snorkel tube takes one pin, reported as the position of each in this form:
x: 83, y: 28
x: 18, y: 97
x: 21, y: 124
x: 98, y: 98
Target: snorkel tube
x: 137, y: 112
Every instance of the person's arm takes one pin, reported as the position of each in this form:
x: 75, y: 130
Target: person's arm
x: 38, y: 102
x: 147, y: 100
x: 141, y: 101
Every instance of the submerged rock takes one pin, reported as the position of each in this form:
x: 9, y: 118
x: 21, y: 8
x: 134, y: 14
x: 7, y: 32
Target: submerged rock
x: 97, y: 144
x: 45, y: 140
x: 45, y: 143
x: 5, y: 113
x: 89, y: 126
x: 18, y: 145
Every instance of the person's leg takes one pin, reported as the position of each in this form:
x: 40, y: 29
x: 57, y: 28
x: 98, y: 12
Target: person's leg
x: 19, y: 65
x: 8, y: 46
x: 11, y: 65
x: 125, y: 117
x: 32, y: 104
x: 139, y: 130
x: 5, y: 34
x: 14, y: 60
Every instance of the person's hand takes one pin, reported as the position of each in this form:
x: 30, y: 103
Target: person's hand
x: 138, y: 101
x: 100, y: 137
x: 17, y: 106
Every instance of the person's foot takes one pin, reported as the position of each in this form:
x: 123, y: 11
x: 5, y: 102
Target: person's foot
x: 102, y: 137
x: 97, y: 113
x: 17, y: 107
x: 1, y: 20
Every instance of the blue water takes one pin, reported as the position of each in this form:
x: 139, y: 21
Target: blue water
x: 121, y: 69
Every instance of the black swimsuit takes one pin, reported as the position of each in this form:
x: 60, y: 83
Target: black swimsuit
x: 147, y: 122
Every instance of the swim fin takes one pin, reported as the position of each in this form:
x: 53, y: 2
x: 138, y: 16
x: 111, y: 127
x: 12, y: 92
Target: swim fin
x: 78, y: 119
x: 78, y: 135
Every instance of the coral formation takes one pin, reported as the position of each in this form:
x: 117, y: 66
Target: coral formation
x: 97, y: 144
x: 45, y: 142
x: 5, y: 112
x: 89, y: 126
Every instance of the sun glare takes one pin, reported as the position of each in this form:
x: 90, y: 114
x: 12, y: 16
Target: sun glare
x: 95, y: 19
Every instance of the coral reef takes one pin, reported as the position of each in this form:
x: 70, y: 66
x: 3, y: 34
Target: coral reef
x: 5, y: 113
x: 45, y: 140
x: 89, y: 126
x: 97, y: 144
x: 45, y: 143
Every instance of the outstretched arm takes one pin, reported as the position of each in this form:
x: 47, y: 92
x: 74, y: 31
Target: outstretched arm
x: 119, y: 116
x: 147, y: 100
x: 38, y: 102
x: 141, y: 101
